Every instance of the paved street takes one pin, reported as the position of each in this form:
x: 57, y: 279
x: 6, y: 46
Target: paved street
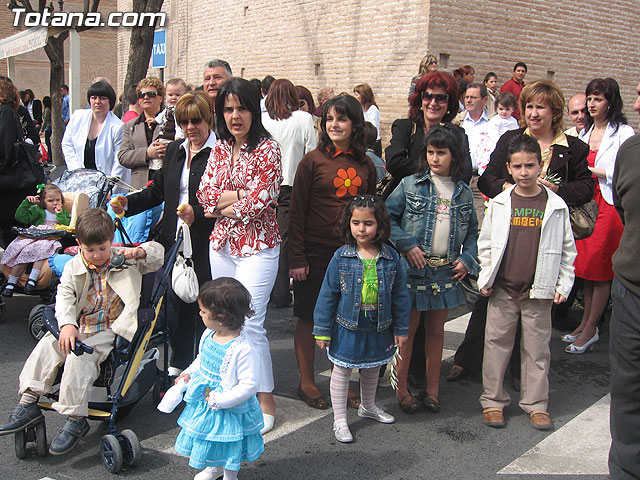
x: 451, y: 444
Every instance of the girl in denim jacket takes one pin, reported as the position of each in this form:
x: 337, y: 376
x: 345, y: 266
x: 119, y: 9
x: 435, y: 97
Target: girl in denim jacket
x: 362, y: 311
x: 434, y: 226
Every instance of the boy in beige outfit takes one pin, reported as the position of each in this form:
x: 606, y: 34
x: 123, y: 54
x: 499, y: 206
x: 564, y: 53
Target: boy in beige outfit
x: 526, y: 252
x: 95, y: 302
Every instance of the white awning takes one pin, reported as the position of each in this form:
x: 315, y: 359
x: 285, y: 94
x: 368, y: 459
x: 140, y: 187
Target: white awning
x: 23, y: 42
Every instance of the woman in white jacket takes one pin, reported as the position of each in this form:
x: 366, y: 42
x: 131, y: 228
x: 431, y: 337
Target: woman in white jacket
x: 607, y: 132
x: 93, y: 136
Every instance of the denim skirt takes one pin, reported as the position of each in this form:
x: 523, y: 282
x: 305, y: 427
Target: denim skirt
x: 365, y: 347
x: 431, y: 288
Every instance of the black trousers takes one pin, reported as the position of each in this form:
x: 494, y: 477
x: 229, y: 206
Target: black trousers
x: 281, y: 292
x: 185, y: 330
x: 624, y: 356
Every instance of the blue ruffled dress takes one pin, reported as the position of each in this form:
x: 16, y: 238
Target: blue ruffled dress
x: 217, y: 438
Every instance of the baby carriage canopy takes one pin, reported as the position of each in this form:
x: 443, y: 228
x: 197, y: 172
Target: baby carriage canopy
x: 94, y: 183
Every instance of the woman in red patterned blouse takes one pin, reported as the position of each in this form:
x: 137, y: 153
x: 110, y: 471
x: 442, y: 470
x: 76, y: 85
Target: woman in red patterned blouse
x: 240, y: 187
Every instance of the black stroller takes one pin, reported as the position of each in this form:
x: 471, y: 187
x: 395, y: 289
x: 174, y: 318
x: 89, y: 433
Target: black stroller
x: 125, y: 377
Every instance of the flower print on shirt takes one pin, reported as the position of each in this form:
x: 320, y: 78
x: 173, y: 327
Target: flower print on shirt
x: 347, y: 181
x: 443, y: 208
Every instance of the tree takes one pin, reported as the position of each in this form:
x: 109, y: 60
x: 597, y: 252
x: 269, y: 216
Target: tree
x: 55, y: 51
x: 140, y: 44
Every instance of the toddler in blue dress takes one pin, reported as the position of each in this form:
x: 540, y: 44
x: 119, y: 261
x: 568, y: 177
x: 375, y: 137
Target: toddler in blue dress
x: 222, y: 419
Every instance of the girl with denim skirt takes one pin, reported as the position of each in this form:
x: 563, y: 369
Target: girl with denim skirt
x: 362, y: 311
x: 434, y: 226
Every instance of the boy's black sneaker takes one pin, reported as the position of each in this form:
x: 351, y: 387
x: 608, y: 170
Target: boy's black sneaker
x: 69, y: 436
x: 22, y: 416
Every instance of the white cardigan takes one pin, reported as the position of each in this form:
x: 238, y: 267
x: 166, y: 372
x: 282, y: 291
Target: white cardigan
x: 107, y: 144
x: 556, y: 250
x: 238, y: 373
x: 607, y: 153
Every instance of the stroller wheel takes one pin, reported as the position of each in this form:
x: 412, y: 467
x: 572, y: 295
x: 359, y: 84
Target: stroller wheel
x: 111, y: 452
x: 134, y: 455
x: 36, y: 322
x: 41, y: 439
x: 21, y: 444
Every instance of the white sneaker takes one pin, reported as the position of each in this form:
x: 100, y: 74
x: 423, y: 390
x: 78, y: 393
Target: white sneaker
x: 210, y: 473
x: 268, y: 420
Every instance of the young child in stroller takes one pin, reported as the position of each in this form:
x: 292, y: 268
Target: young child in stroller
x: 95, y: 302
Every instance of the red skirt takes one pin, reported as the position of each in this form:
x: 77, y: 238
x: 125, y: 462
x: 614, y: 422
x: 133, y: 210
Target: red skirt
x: 595, y: 252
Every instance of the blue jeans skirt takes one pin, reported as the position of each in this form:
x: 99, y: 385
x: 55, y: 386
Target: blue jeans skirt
x: 364, y: 347
x: 431, y: 288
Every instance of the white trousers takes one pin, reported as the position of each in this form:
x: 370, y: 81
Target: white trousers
x: 258, y: 274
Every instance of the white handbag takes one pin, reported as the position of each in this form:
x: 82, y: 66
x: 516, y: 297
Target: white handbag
x: 183, y: 277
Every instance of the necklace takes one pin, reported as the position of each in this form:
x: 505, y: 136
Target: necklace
x: 369, y: 263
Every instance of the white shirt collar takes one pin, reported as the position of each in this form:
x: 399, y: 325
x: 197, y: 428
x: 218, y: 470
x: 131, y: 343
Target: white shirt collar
x: 211, y: 141
x: 482, y: 118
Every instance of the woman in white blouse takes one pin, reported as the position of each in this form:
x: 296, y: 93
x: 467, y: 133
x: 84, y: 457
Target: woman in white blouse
x: 293, y: 130
x: 93, y: 136
x: 364, y: 94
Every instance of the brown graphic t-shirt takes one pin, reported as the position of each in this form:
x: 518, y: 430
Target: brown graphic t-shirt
x: 518, y: 267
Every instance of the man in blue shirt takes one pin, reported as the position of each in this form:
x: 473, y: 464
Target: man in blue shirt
x: 64, y: 91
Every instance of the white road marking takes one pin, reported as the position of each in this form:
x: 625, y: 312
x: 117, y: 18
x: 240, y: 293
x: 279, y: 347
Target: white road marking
x: 458, y: 325
x: 581, y: 447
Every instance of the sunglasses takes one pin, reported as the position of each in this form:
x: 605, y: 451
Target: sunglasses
x: 150, y: 94
x: 194, y: 121
x: 438, y: 97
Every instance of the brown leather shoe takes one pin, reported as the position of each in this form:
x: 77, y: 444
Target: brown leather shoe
x: 456, y: 373
x: 493, y: 417
x: 540, y: 420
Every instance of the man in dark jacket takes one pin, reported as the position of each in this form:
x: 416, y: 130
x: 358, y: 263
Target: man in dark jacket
x: 624, y: 331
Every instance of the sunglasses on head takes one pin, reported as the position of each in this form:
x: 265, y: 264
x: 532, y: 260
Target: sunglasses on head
x: 150, y: 94
x: 438, y: 97
x: 194, y: 121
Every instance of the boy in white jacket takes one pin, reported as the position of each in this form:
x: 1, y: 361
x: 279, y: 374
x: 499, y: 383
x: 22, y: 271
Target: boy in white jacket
x: 526, y: 251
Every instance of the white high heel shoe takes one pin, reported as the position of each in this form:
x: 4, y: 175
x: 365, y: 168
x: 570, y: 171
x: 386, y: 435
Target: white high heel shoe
x: 579, y: 350
x: 568, y: 338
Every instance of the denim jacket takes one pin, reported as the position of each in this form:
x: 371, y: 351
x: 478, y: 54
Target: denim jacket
x: 341, y: 292
x: 412, y: 210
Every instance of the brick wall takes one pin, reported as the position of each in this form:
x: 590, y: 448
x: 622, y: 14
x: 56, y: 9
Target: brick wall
x: 97, y: 50
x: 344, y: 43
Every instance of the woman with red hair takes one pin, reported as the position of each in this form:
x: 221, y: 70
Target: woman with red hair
x: 434, y: 101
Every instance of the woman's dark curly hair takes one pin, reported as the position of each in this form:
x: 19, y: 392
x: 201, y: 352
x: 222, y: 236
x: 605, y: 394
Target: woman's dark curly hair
x: 445, y: 135
x: 611, y: 91
x: 350, y: 107
x: 434, y: 80
x: 228, y: 300
x: 373, y: 202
